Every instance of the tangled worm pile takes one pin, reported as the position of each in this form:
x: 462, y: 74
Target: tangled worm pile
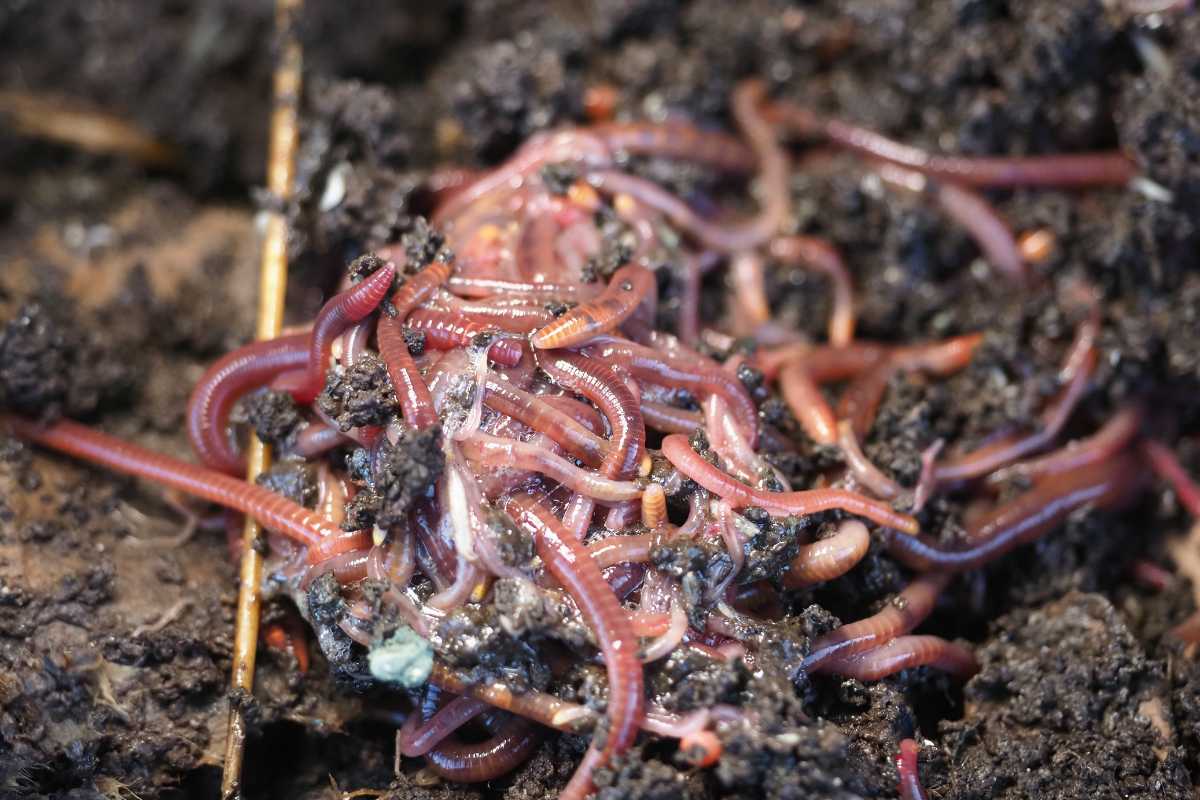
x: 517, y: 422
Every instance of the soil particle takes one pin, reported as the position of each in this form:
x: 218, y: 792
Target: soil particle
x: 525, y: 611
x: 1057, y: 711
x: 360, y: 395
x: 49, y: 366
x: 274, y: 416
x: 294, y: 480
x: 475, y: 639
x: 402, y: 475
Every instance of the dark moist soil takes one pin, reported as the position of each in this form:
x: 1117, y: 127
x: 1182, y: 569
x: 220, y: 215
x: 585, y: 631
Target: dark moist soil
x: 119, y: 285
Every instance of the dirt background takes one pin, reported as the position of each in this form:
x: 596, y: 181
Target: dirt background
x: 119, y: 283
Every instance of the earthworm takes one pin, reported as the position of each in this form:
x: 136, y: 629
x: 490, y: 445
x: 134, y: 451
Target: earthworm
x: 810, y: 407
x: 900, y: 616
x: 273, y: 511
x: 411, y: 389
x: 906, y: 768
x: 1105, y: 443
x: 227, y: 380
x: 489, y: 287
x: 1166, y: 465
x: 1064, y: 170
x: 497, y: 451
x: 822, y: 256
x: 568, y: 561
x: 622, y: 548
x: 513, y: 744
x: 862, y: 468
x: 906, y: 652
x: 669, y: 639
x: 677, y: 450
x: 629, y: 287
x: 535, y: 256
x: 1021, y: 520
x: 654, y: 507
x: 417, y: 740
x: 339, y: 313
x: 828, y: 558
x: 749, y: 289
x: 570, y: 146
x: 1076, y: 371
x: 701, y: 749
x: 680, y: 373
x: 317, y: 438
x: 596, y: 381
x: 669, y: 419
x: 680, y: 141
x: 446, y: 330
x: 980, y: 219
x: 541, y: 414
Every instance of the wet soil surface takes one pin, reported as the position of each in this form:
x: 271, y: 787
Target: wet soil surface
x: 118, y: 285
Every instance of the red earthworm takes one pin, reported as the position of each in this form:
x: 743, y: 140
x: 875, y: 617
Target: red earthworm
x: 223, y: 383
x: 1187, y: 631
x: 1151, y: 575
x: 316, y: 438
x: 568, y: 561
x: 498, y: 451
x: 442, y: 560
x: 865, y: 472
x: 1066, y: 170
x: 822, y: 256
x: 773, y: 175
x: 1024, y: 518
x: 906, y: 768
x: 545, y: 709
x: 1105, y: 443
x: 701, y: 749
x: 829, y: 558
x: 418, y: 739
x: 689, y: 299
x: 992, y: 234
x: 583, y: 413
x: 1166, y: 465
x: 825, y: 363
x: 274, y: 511
x: 466, y: 578
x: 749, y: 290
x: 338, y: 314
x: 1076, y: 371
x: 489, y: 287
x: 537, y: 414
x: 906, y: 652
x: 677, y: 450
x: 938, y: 358
x: 900, y: 616
x: 804, y: 398
x: 572, y: 146
x: 669, y: 419
x: 860, y: 399
x: 477, y: 762
x: 629, y: 287
x: 724, y: 238
x: 676, y: 372
x: 514, y: 314
x: 669, y: 638
x: 446, y: 330
x: 623, y: 548
x: 535, y: 255
x: 680, y: 141
x: 654, y: 507
x: 596, y: 381
x: 348, y: 567
x: 412, y: 392
x: 411, y: 389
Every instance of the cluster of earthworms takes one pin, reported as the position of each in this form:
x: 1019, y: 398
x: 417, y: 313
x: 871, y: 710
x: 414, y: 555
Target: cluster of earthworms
x: 520, y: 351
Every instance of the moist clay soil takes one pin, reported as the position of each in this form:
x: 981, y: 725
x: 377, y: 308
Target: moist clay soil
x: 118, y: 284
